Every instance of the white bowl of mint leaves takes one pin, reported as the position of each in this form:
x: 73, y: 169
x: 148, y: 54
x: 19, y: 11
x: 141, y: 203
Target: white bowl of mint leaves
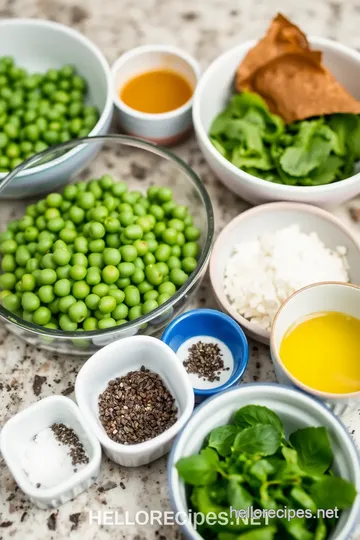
x: 260, y: 157
x: 271, y: 449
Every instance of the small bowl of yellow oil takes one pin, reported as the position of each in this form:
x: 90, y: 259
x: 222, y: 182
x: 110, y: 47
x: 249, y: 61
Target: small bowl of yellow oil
x: 153, y: 86
x: 315, y: 344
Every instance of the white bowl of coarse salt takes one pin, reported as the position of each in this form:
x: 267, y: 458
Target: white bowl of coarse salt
x: 268, y: 252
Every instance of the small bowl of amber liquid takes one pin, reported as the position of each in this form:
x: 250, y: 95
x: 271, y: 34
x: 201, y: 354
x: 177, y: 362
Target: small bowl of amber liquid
x: 153, y: 91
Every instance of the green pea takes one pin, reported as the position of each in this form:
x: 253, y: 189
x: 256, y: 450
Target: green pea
x: 178, y: 276
x: 66, y: 323
x: 120, y: 312
x: 81, y: 244
x: 163, y: 298
x: 144, y: 287
x: 149, y: 306
x: 139, y: 210
x: 76, y: 214
x: 192, y: 233
x: 96, y: 259
x: 101, y: 289
x: 31, y: 234
x: 42, y: 315
x: 173, y: 262
x: 151, y: 295
x: 156, y: 211
x: 159, y: 228
x: 139, y: 263
x: 78, y: 272
x: 65, y: 302
x: 189, y: 264
x: 113, y: 240
x: 80, y: 290
x: 126, y: 269
x: 90, y: 324
x: 22, y: 255
x: 107, y: 304
x: 110, y: 274
x: 95, y: 189
x: 180, y: 212
x: 68, y: 235
x: 164, y: 194
x: 97, y: 246
x: 153, y: 275
x: 112, y: 224
x: 106, y: 181
x: 40, y: 223
x: 176, y: 224
x: 190, y: 249
x: 134, y: 232
x: 48, y: 262
x: 62, y: 287
x: 77, y: 311
x: 61, y: 257
x: 32, y: 265
x: 30, y: 302
x: 149, y: 258
x: 28, y: 282
x: 63, y: 272
x: 92, y: 301
x: 93, y: 276
x: 126, y: 218
x: 145, y: 222
x: 176, y: 251
x: 117, y: 294
x: 168, y: 208
x: 8, y: 263
x: 111, y: 256
x: 167, y: 288
x: 162, y: 252
x: 70, y: 192
x: 123, y: 282
x: 9, y: 246
x: 162, y: 268
x: 152, y: 192
x: 46, y: 294
x: 132, y: 296
x: 138, y: 276
x: 109, y: 322
x: 19, y: 272
x: 169, y: 236
x: 128, y: 253
x: 27, y: 316
x: 134, y: 313
x: 11, y: 302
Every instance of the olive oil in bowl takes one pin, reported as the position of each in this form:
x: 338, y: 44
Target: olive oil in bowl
x: 322, y: 351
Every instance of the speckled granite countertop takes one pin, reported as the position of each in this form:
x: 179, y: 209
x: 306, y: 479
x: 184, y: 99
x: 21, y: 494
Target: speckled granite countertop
x: 205, y: 28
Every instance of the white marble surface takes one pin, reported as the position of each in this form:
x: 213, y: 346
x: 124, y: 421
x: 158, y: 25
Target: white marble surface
x: 204, y: 28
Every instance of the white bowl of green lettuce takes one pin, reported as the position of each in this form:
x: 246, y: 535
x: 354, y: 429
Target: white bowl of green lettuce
x: 259, y: 158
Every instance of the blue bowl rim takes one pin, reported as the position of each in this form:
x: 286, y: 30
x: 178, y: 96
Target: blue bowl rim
x: 242, y: 364
x: 170, y: 463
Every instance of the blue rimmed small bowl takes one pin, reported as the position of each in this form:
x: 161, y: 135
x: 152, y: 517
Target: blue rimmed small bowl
x: 210, y: 323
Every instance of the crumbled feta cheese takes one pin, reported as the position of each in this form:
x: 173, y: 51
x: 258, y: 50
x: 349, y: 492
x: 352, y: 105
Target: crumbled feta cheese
x: 262, y: 273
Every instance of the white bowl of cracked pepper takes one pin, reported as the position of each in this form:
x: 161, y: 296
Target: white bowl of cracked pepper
x: 136, y: 397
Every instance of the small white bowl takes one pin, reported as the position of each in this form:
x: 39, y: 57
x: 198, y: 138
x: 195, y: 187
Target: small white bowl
x: 165, y: 128
x: 211, y: 97
x: 22, y: 428
x: 296, y: 410
x: 117, y: 359
x: 44, y: 45
x: 268, y: 218
x: 320, y: 297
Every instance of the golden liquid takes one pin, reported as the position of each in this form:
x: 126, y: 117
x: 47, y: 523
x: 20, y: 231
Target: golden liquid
x: 157, y: 91
x: 323, y: 352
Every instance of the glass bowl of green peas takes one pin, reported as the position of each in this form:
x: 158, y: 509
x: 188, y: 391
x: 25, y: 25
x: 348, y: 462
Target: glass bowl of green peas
x: 119, y: 251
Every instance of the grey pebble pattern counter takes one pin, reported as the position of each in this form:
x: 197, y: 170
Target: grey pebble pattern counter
x: 205, y: 28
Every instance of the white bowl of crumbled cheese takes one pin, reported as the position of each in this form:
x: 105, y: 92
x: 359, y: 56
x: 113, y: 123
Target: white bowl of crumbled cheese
x: 268, y: 252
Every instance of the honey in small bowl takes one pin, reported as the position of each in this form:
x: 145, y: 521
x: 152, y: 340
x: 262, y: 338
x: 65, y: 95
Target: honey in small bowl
x: 157, y: 91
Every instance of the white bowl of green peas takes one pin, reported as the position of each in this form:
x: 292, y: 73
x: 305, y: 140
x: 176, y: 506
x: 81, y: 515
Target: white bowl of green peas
x: 118, y: 252
x: 55, y: 86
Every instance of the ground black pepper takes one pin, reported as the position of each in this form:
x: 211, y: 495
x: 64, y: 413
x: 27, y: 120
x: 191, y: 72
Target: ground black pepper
x: 68, y: 437
x: 205, y: 360
x: 136, y: 407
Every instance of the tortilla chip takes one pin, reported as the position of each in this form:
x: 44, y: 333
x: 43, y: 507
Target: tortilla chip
x: 291, y: 78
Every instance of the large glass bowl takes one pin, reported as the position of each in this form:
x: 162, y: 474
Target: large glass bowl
x: 141, y: 165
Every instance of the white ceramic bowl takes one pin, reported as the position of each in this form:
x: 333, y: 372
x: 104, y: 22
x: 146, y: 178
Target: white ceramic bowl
x: 38, y: 45
x: 316, y: 298
x: 211, y: 97
x: 21, y: 429
x: 296, y: 410
x: 117, y: 359
x: 165, y: 128
x: 268, y: 218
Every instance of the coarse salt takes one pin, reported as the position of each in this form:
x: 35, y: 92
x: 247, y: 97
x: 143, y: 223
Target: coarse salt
x: 47, y: 462
x: 261, y: 274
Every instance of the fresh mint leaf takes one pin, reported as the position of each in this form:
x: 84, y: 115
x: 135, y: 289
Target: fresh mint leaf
x: 310, y: 150
x: 222, y: 438
x: 297, y: 528
x: 219, y: 147
x: 314, y: 451
x: 290, y: 455
x: 261, y: 161
x: 259, y: 439
x: 239, y: 498
x: 211, y: 455
x: 333, y: 492
x: 252, y: 415
x: 265, y: 533
x: 303, y: 499
x: 198, y: 470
